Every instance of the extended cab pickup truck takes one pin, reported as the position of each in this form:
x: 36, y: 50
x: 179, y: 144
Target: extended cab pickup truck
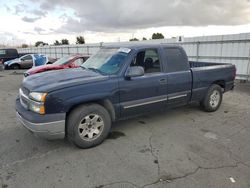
x: 117, y: 83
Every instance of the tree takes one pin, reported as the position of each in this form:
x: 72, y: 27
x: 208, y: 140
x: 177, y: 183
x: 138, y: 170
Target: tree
x: 57, y: 43
x: 157, y: 36
x: 24, y: 46
x: 65, y: 42
x: 134, y: 39
x: 144, y: 38
x: 80, y: 40
x: 40, y: 43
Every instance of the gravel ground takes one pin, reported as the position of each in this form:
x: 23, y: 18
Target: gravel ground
x: 184, y: 147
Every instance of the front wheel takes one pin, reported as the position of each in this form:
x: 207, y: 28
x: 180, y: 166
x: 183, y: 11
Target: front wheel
x: 213, y: 98
x: 15, y: 67
x: 88, y: 125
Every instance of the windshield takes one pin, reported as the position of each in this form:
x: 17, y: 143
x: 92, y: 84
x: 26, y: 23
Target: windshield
x: 63, y: 60
x: 107, y: 61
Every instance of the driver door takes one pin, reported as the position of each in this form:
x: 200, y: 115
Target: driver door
x: 146, y: 93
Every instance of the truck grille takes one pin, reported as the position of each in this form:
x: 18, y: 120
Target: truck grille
x: 23, y: 98
x: 25, y: 91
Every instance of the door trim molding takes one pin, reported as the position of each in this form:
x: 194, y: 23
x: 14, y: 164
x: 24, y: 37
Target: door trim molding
x: 177, y: 96
x: 152, y: 100
x: 142, y: 102
x: 145, y: 103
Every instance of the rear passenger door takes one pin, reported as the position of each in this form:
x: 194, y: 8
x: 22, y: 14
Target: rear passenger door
x: 145, y: 93
x: 179, y: 76
x: 26, y: 61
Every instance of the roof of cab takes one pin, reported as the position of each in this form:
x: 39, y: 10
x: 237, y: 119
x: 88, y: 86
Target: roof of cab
x: 139, y: 46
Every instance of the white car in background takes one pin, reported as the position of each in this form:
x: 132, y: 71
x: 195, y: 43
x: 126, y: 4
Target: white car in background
x: 28, y: 61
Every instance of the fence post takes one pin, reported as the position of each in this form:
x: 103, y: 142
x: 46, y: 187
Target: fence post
x: 248, y: 66
x: 197, y: 50
x: 55, y: 51
x: 87, y: 50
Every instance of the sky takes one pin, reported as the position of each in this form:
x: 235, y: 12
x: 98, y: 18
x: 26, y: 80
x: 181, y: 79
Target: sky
x: 28, y: 21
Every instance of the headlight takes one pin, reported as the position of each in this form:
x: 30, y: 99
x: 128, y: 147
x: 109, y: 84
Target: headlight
x: 40, y: 97
x: 37, y: 108
x: 37, y: 105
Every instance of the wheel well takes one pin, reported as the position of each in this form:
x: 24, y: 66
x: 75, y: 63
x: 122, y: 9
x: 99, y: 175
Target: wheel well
x: 15, y: 64
x: 105, y: 103
x: 221, y: 83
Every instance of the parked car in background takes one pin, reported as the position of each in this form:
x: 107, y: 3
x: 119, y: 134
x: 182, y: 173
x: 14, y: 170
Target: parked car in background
x: 117, y: 83
x: 28, y: 61
x: 72, y: 61
x: 8, y: 54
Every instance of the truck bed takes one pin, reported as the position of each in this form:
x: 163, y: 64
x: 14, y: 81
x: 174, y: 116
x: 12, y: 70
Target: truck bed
x: 194, y: 64
x: 204, y: 74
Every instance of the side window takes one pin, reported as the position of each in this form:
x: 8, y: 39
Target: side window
x: 149, y: 60
x: 27, y: 58
x: 2, y: 52
x: 85, y: 58
x: 175, y: 60
x: 78, y: 62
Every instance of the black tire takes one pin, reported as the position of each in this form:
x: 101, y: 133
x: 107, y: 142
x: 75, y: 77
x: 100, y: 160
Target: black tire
x: 15, y: 67
x: 79, y: 115
x: 210, y: 104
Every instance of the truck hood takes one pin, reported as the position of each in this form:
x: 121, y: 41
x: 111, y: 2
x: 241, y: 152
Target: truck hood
x: 54, y: 80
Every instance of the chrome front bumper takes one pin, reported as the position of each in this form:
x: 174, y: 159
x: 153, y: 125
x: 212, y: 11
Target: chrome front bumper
x: 48, y: 130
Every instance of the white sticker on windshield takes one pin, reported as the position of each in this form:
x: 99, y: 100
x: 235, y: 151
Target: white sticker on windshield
x: 124, y: 50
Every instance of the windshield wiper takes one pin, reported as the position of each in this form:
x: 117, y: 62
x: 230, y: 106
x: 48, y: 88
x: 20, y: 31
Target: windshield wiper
x: 93, y: 69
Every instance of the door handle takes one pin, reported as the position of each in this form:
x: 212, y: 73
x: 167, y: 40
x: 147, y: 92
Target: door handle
x: 163, y: 80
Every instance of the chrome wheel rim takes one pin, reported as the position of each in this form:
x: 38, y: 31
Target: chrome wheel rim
x: 90, y: 127
x: 214, y: 99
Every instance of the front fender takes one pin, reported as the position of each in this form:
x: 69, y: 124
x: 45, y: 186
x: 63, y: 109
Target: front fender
x: 71, y: 103
x: 13, y: 62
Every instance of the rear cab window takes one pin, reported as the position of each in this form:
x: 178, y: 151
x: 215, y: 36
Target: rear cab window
x: 176, y: 60
x: 149, y: 60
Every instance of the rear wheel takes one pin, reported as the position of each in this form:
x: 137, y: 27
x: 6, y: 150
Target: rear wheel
x: 213, y: 98
x: 88, y: 125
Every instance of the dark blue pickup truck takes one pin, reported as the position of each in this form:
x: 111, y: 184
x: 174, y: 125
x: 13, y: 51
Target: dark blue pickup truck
x: 116, y: 83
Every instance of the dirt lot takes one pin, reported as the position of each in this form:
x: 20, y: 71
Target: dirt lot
x: 185, y: 147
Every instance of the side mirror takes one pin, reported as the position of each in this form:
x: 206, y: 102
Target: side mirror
x: 135, y: 71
